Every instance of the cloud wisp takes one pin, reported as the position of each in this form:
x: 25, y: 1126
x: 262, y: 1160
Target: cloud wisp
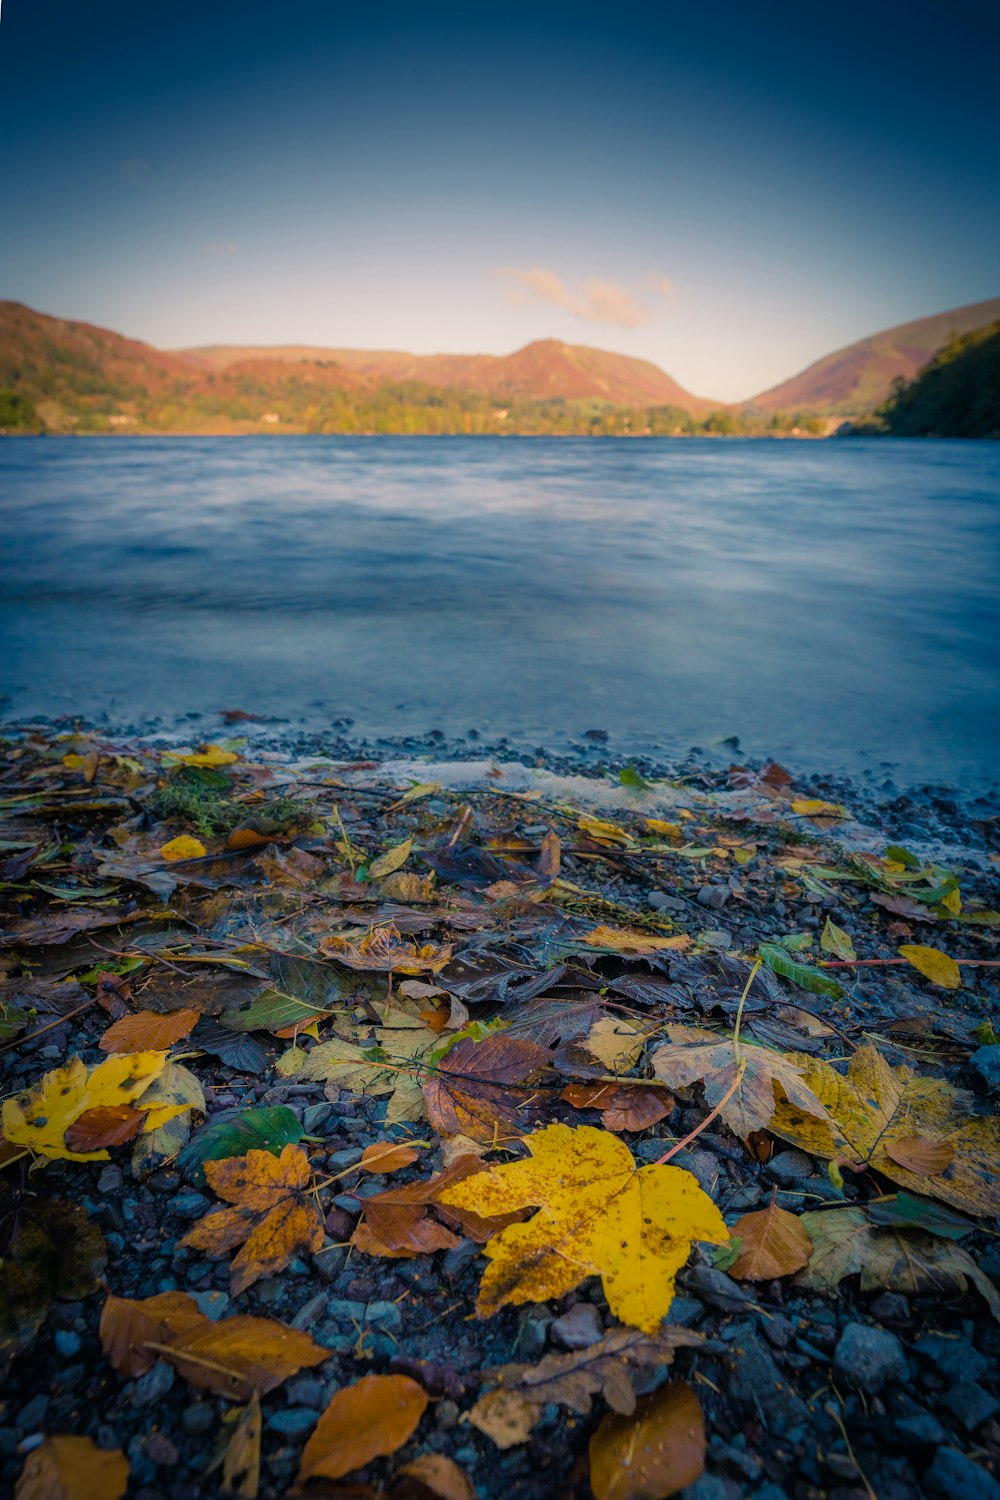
x: 599, y: 302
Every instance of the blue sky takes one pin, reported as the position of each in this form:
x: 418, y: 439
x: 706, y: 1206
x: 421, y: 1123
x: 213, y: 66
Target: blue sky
x: 730, y: 191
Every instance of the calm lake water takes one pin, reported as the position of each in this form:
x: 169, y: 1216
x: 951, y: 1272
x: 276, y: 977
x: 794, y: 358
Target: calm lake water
x: 836, y: 605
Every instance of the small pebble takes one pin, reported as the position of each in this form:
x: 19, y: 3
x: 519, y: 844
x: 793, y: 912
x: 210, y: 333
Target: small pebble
x: 578, y: 1328
x: 868, y: 1358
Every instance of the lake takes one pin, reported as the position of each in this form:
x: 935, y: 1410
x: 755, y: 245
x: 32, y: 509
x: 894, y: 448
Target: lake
x: 834, y: 604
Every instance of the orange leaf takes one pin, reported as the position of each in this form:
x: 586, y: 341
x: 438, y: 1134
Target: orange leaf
x: 367, y: 1420
x: 148, y: 1031
x: 274, y: 1218
x: 386, y: 1157
x: 623, y: 1106
x: 105, y: 1125
x: 128, y: 1327
x: 73, y: 1468
x: 397, y: 1221
x: 774, y: 1244
x: 918, y: 1154
x: 653, y: 1453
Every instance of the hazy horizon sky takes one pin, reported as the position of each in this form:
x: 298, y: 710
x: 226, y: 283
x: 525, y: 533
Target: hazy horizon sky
x: 731, y: 192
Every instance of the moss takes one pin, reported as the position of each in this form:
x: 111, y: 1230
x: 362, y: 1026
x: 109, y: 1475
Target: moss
x: 202, y: 801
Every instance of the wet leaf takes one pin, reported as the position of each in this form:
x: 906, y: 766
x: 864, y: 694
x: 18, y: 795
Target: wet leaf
x: 933, y: 964
x: 72, y: 1468
x: 815, y: 807
x: 472, y: 1091
x: 41, y: 1116
x: 603, y: 1369
x: 211, y: 757
x: 505, y: 1416
x: 432, y: 1474
x: 619, y: 940
x: 175, y: 1085
x: 623, y: 1106
x: 184, y: 847
x: 774, y: 1244
x: 918, y: 1154
x: 53, y: 1251
x: 270, y: 1129
x: 273, y: 1217
x: 902, y: 1211
x: 241, y: 1465
x: 106, y: 1125
x: 598, y: 1215
x: 148, y: 1030
x: 616, y: 1044
x: 387, y: 1157
x: 391, y: 860
x: 779, y: 961
x: 367, y: 1420
x: 601, y: 832
x: 657, y: 1451
x: 399, y: 1222
x: 233, y: 1357
x: 383, y: 950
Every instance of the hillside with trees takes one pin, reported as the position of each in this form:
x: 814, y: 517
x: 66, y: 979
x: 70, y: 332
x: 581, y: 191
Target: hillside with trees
x: 956, y: 395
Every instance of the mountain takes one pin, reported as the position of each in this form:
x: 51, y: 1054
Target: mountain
x: 859, y: 378
x: 956, y: 395
x: 540, y: 371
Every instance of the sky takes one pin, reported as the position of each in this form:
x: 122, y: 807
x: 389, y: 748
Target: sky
x: 731, y: 191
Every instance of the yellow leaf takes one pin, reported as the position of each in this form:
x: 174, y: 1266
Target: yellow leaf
x: 669, y: 830
x: 933, y: 965
x: 211, y: 757
x: 835, y: 940
x: 598, y: 1214
x: 390, y: 860
x: 815, y: 807
x: 184, y: 847
x: 876, y: 1107
x: 601, y: 832
x: 656, y: 1451
x: 73, y: 1468
x: 367, y: 1420
x: 953, y: 902
x: 623, y: 941
x: 40, y: 1117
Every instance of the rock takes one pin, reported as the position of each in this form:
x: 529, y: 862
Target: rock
x: 891, y: 1308
x: 956, y: 1477
x: 971, y: 1404
x: 712, y: 1487
x: 306, y: 1390
x: 660, y: 901
x: 338, y: 1161
x: 160, y: 1450
x: 197, y: 1419
x: 717, y: 1289
x: 686, y: 1311
x: 110, y: 1180
x: 294, y: 1419
x: 954, y: 1358
x: 756, y: 1382
x: 456, y: 1262
x: 867, y: 1358
x: 578, y: 1328
x: 713, y: 896
x: 789, y: 1167
x: 315, y: 1116
x: 67, y: 1343
x: 213, y: 1304
x: 190, y: 1205
x: 386, y: 1316
x: 32, y: 1414
x: 311, y: 1312
x: 154, y: 1385
x: 703, y: 1166
x: 923, y: 1431
x: 984, y: 1065
x: 531, y: 1337
x: 745, y: 1198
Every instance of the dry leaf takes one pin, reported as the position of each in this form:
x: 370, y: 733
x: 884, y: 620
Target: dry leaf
x: 600, y: 832
x: 184, y: 847
x: 918, y: 1154
x: 615, y: 1043
x: 432, y: 1474
x: 619, y: 940
x: 654, y: 1453
x: 815, y: 807
x: 387, y: 1157
x: 241, y: 1465
x: 876, y: 1106
x: 41, y: 1116
x: 210, y: 758
x: 72, y: 1468
x: 603, y: 1368
x: 233, y: 1357
x: 148, y: 1030
x: 397, y: 1222
x: 933, y: 964
x: 471, y: 1092
x: 695, y: 1055
x: 391, y: 860
x: 598, y: 1215
x: 774, y: 1244
x: 835, y: 940
x: 623, y: 1106
x: 505, y: 1416
x: 367, y: 1420
x: 383, y: 950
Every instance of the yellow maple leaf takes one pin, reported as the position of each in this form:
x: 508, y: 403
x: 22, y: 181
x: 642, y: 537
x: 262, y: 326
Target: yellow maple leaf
x: 40, y: 1116
x: 933, y: 965
x: 211, y: 757
x: 876, y: 1108
x: 598, y: 1215
x: 273, y: 1218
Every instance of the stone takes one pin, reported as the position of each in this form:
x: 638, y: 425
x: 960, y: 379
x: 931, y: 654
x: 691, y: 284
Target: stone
x: 789, y: 1167
x: 868, y: 1358
x: 578, y: 1328
x: 385, y: 1316
x: 154, y: 1385
x: 110, y: 1180
x: 686, y: 1311
x: 312, y: 1311
x: 984, y: 1065
x: 713, y: 896
x: 213, y: 1304
x: 338, y: 1161
x: 660, y: 901
x: 954, y: 1358
x: 315, y: 1116
x: 293, y: 1419
x: 971, y: 1404
x: 197, y: 1419
x: 922, y: 1430
x: 160, y: 1450
x: 955, y: 1477
x: 756, y: 1382
x: 67, y: 1342
x: 717, y: 1289
x: 456, y: 1262
x: 190, y: 1205
x: 712, y: 1487
x: 891, y: 1308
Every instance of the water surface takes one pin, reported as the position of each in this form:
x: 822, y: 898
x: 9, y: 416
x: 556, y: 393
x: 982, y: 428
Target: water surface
x: 834, y: 604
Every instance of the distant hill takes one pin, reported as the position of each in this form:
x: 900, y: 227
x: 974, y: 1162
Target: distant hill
x: 956, y: 395
x: 859, y: 378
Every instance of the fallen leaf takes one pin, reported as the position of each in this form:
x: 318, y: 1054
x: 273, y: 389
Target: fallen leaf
x: 366, y: 1420
x: 270, y: 1129
x: 615, y: 1043
x: 391, y: 860
x: 41, y: 1116
x: 473, y: 1089
x: 603, y: 1368
x: 877, y: 1105
x: 601, y: 832
x: 623, y: 1106
x: 148, y: 1030
x: 598, y: 1215
x: 773, y: 1244
x: 387, y: 1157
x: 619, y: 940
x: 184, y: 847
x: 835, y: 940
x: 209, y: 759
x: 241, y: 1465
x: 695, y: 1055
x: 398, y: 1222
x: 780, y: 961
x: 657, y: 1451
x: 667, y: 830
x: 432, y: 1474
x: 72, y: 1468
x: 903, y: 1211
x: 815, y: 807
x: 53, y: 1251
x: 933, y: 964
x: 233, y: 1357
x: 383, y: 950
x: 918, y: 1154
x: 106, y: 1125
x: 175, y: 1085
x: 505, y: 1416
x: 273, y: 1217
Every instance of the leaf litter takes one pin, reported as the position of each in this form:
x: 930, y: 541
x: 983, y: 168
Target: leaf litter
x: 397, y: 1129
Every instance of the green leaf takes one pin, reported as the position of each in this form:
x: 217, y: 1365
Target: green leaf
x: 727, y: 1255
x: 630, y: 777
x: 902, y: 856
x: 779, y: 961
x: 246, y: 1130
x: 12, y: 1020
x: 903, y: 1211
x: 271, y: 1011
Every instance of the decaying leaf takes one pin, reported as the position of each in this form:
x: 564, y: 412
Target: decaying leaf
x: 241, y: 1465
x: 616, y: 1043
x: 815, y: 807
x: 598, y: 1215
x: 148, y: 1030
x: 40, y: 1117
x: 918, y: 1154
x: 53, y: 1251
x: 432, y: 1474
x: 845, y: 1243
x: 619, y: 940
x: 933, y: 965
x: 175, y: 1085
x: 475, y: 1091
x: 774, y: 1244
x: 835, y: 940
x: 505, y: 1416
x: 366, y: 1420
x: 72, y: 1468
x: 270, y: 1129
x: 210, y: 758
x: 233, y: 1357
x: 877, y: 1105
x: 273, y: 1218
x: 653, y: 1453
x: 385, y: 951
x: 746, y: 1087
x: 105, y: 1125
x: 387, y: 1156
x: 398, y: 1222
x: 623, y: 1106
x: 601, y: 832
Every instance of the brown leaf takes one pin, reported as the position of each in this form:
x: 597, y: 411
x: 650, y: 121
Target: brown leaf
x: 148, y: 1031
x: 385, y: 1157
x: 274, y: 1218
x: 623, y: 1106
x: 601, y: 1369
x: 919, y: 1154
x: 470, y: 1094
x: 106, y: 1125
x: 367, y: 1420
x: 432, y: 1474
x: 233, y: 1357
x: 504, y: 1416
x: 397, y: 1222
x: 72, y: 1468
x: 774, y: 1244
x: 655, y: 1453
x: 241, y: 1465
